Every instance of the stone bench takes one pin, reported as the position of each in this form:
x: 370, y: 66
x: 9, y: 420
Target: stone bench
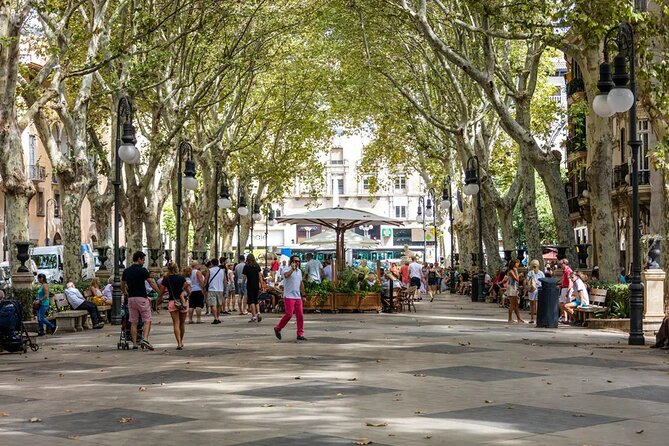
x: 71, y: 320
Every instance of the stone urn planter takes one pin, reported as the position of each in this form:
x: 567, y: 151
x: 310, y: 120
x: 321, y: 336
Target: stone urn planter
x: 102, y: 255
x: 22, y: 256
x: 654, y: 253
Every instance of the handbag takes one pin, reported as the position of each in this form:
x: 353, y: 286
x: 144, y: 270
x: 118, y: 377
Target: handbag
x: 36, y: 304
x: 177, y: 302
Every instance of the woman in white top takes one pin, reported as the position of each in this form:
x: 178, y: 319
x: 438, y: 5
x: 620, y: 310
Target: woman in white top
x: 532, y: 278
x: 580, y: 293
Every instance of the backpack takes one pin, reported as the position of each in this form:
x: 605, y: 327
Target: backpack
x: 9, y: 317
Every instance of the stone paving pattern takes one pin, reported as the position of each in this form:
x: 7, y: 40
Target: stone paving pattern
x: 453, y: 373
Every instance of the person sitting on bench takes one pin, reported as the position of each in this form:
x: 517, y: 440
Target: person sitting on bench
x: 77, y: 302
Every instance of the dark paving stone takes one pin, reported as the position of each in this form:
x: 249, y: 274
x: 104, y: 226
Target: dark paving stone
x: 204, y: 352
x: 9, y: 399
x: 449, y: 349
x: 96, y: 422
x: 537, y: 420
x: 303, y: 439
x: 592, y: 361
x: 314, y: 391
x: 428, y: 334
x: 324, y: 360
x: 328, y: 328
x: 472, y: 373
x: 164, y: 376
x: 338, y: 340
x: 546, y: 342
x: 659, y: 394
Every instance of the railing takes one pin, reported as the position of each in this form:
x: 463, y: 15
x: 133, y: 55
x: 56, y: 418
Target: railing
x: 619, y: 174
x: 574, y: 86
x: 36, y: 173
x: 574, y: 207
x: 581, y: 186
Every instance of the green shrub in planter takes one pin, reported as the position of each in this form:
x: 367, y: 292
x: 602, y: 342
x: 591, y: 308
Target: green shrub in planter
x: 26, y: 296
x: 618, y: 301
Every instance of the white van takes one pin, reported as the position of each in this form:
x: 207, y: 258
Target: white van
x: 49, y: 261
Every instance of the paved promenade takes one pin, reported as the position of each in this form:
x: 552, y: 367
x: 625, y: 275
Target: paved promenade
x: 454, y: 373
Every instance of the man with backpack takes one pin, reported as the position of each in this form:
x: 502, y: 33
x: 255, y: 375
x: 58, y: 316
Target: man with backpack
x: 216, y: 287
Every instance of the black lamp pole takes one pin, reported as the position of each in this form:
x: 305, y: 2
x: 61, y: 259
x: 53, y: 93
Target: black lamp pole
x: 432, y: 200
x: 267, y: 217
x: 125, y: 135
x: 218, y: 179
x: 223, y: 202
x: 421, y: 218
x: 189, y: 172
x: 473, y: 186
x: 241, y: 203
x: 618, y: 98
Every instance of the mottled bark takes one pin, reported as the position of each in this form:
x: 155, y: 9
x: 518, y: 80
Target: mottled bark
x: 530, y: 215
x: 71, y: 218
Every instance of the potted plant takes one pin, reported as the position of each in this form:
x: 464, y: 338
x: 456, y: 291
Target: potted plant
x: 346, y: 291
x: 371, y: 299
x: 318, y: 296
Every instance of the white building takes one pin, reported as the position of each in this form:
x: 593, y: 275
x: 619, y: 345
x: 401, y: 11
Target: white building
x: 345, y: 188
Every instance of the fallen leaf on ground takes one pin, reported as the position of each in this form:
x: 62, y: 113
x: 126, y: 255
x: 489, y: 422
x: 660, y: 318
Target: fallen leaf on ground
x: 268, y: 405
x: 420, y: 375
x: 142, y: 389
x: 489, y: 401
x: 73, y: 437
x: 35, y: 420
x: 297, y: 377
x: 363, y: 441
x: 370, y: 424
x: 4, y: 414
x: 418, y: 412
x: 578, y: 415
x: 640, y: 432
x: 353, y: 379
x: 427, y: 437
x: 125, y: 420
x: 20, y: 379
x: 566, y: 395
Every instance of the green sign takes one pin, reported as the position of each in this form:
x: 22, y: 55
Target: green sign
x: 387, y: 232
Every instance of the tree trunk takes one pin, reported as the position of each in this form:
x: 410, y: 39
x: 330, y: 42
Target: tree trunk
x: 530, y: 215
x: 490, y: 238
x: 72, y: 200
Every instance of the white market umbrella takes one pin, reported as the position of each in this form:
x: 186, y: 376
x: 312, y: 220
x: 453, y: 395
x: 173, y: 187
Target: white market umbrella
x: 340, y: 220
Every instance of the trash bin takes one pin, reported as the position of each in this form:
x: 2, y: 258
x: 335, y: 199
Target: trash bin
x: 548, y: 304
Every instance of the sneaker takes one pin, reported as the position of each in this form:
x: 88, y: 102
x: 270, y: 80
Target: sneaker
x: 301, y: 338
x: 98, y: 326
x: 253, y: 320
x: 259, y: 317
x: 146, y: 344
x: 55, y: 329
x: 277, y: 333
x: 226, y: 313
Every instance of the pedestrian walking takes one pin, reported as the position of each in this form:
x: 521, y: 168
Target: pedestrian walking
x: 293, y: 290
x: 139, y: 305
x: 216, y: 290
x: 254, y: 280
x: 43, y: 298
x: 177, y: 288
x: 240, y: 283
x: 512, y: 290
x: 196, y: 299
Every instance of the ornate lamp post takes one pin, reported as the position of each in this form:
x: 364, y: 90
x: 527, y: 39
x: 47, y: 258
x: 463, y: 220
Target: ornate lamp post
x: 256, y: 216
x: 242, y: 211
x: 420, y: 218
x: 128, y: 153
x: 269, y: 221
x: 189, y: 182
x: 615, y: 96
x: 473, y: 186
x: 429, y: 212
x: 223, y: 202
x: 447, y: 202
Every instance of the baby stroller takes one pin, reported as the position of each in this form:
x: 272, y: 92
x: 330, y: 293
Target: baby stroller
x: 13, y: 334
x: 126, y: 336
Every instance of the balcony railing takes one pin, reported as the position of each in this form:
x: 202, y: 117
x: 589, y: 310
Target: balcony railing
x: 574, y: 86
x: 574, y: 207
x: 619, y: 174
x: 36, y: 173
x: 581, y: 186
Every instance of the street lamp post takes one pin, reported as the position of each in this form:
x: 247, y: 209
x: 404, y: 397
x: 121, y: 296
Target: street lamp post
x: 431, y: 194
x: 420, y: 218
x: 128, y: 153
x: 447, y: 202
x: 242, y: 211
x: 269, y: 221
x: 256, y: 216
x: 223, y: 202
x: 365, y: 229
x: 473, y: 186
x: 189, y: 182
x: 616, y: 97
x: 46, y: 219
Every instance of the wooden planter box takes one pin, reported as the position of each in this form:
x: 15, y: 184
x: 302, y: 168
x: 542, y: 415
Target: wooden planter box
x: 370, y: 302
x: 343, y: 301
x: 314, y: 303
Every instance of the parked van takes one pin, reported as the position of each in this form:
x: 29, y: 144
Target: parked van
x: 49, y: 261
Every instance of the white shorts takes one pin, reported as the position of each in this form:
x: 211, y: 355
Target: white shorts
x: 563, y: 295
